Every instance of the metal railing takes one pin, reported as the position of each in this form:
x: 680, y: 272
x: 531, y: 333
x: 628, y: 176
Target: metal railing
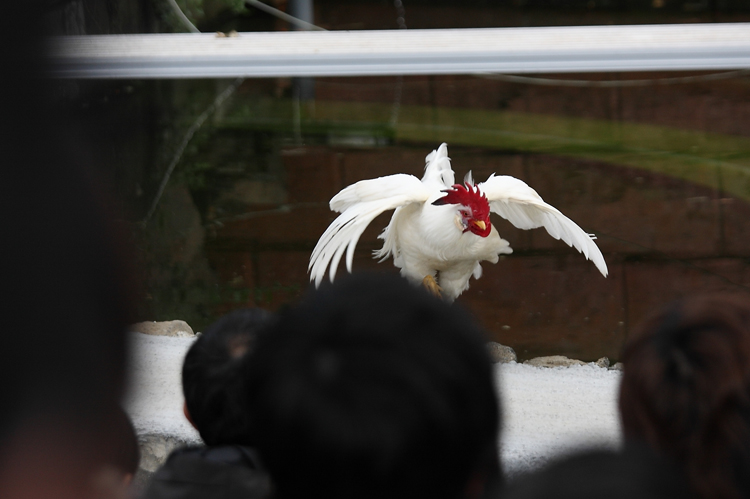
x: 405, y: 52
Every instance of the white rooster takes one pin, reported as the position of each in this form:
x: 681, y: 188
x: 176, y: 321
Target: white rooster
x: 440, y: 231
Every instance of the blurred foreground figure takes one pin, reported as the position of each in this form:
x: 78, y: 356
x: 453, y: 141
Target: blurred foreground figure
x: 635, y: 473
x: 686, y: 391
x: 371, y: 388
x: 64, y: 307
x: 115, y: 475
x: 215, y: 404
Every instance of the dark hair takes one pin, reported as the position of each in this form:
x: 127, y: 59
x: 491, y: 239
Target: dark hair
x: 212, y: 379
x: 633, y: 473
x: 686, y: 390
x: 371, y: 388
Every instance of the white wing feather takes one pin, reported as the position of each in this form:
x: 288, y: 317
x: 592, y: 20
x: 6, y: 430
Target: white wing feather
x: 518, y: 203
x: 375, y: 189
x: 360, y: 203
x: 438, y: 167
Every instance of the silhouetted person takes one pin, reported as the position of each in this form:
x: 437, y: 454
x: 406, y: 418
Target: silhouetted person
x: 64, y: 302
x: 371, y: 388
x: 216, y: 405
x: 686, y: 391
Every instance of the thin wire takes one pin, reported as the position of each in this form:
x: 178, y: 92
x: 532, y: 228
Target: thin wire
x: 552, y: 82
x: 284, y: 208
x: 531, y: 80
x: 181, y: 15
x: 396, y: 110
x: 283, y: 16
x: 185, y: 141
x: 668, y: 257
x: 297, y: 116
x: 193, y: 128
x: 219, y: 99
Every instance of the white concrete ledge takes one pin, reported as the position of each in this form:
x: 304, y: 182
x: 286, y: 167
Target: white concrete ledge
x: 408, y: 52
x: 546, y: 411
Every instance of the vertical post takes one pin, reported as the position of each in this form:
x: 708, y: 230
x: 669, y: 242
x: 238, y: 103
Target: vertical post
x: 302, y: 9
x: 303, y: 88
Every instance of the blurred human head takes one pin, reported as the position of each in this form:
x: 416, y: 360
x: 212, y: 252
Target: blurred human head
x: 212, y: 381
x: 686, y: 390
x: 371, y: 388
x: 64, y: 286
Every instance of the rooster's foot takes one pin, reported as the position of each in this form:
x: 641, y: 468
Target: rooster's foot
x: 431, y: 285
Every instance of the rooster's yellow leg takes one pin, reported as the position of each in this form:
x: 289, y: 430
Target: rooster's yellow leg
x: 431, y: 285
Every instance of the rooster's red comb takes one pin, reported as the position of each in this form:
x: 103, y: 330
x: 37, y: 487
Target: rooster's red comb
x: 469, y: 196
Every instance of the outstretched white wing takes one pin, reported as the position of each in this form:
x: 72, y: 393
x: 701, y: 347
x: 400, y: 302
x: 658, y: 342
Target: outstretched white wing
x: 518, y: 203
x: 360, y: 203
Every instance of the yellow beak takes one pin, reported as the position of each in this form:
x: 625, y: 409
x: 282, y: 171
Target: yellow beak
x: 480, y: 224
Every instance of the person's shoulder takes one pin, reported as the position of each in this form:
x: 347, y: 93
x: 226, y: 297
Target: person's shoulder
x: 197, y: 471
x: 184, y: 458
x: 239, y: 455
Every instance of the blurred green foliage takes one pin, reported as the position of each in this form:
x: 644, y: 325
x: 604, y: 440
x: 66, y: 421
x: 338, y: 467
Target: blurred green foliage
x: 198, y: 10
x: 201, y: 13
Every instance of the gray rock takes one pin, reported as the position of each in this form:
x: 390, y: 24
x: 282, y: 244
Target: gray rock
x: 554, y: 361
x: 156, y: 448
x: 501, y: 353
x: 603, y: 362
x: 179, y: 329
x: 140, y: 482
x: 617, y: 366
